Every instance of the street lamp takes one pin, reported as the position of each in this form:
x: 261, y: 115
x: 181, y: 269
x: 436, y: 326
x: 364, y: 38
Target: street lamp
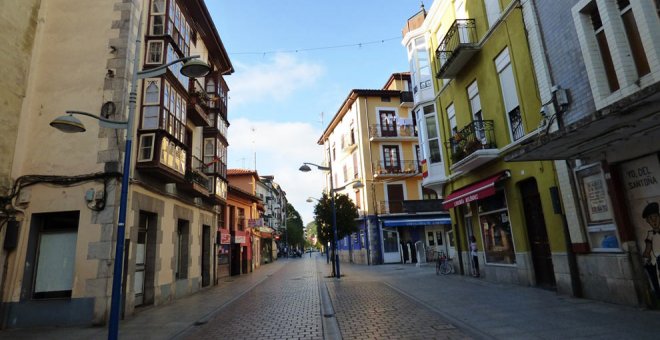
x: 305, y: 168
x: 192, y: 68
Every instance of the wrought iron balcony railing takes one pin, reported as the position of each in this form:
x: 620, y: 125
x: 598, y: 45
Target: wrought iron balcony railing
x: 406, y: 167
x: 392, y: 131
x: 196, y: 173
x: 478, y: 135
x: 462, y: 34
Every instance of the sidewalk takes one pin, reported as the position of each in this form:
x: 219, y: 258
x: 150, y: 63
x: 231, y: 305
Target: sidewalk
x: 492, y: 310
x: 167, y: 321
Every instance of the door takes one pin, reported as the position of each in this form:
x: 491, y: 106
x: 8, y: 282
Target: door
x: 206, y: 255
x: 387, y: 124
x: 537, y: 234
x: 391, y: 159
x: 395, y: 198
x: 145, y: 254
x: 391, y: 252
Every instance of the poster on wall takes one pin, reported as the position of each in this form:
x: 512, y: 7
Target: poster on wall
x: 594, y: 190
x: 641, y: 180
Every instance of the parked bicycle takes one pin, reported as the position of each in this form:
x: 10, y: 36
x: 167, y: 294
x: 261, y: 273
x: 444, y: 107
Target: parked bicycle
x: 442, y: 265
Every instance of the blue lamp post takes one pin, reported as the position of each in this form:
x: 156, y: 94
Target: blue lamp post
x: 192, y: 68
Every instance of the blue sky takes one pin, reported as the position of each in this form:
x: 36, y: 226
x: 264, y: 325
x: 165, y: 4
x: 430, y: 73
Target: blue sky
x: 277, y: 95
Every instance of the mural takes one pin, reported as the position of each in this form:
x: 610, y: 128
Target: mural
x: 642, y: 186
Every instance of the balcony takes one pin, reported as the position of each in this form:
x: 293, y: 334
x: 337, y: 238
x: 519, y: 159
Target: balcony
x: 197, y: 110
x: 473, y: 146
x: 195, y: 180
x: 410, y: 207
x: 392, y: 133
x: 397, y: 169
x: 457, y: 48
x: 406, y: 98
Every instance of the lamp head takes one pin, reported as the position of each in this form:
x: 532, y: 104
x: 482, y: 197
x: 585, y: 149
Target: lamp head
x: 195, y: 68
x: 68, y: 123
x: 305, y: 168
x: 309, y: 200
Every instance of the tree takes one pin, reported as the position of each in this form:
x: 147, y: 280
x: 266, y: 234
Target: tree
x: 294, y: 227
x: 346, y: 212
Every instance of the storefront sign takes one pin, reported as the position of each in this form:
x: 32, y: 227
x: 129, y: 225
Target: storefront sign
x: 239, y: 239
x: 255, y: 222
x: 225, y: 238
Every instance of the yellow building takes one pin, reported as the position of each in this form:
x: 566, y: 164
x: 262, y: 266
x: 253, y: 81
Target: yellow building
x: 476, y: 98
x: 372, y: 140
x: 62, y: 193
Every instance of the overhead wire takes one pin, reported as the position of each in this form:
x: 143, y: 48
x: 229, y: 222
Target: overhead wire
x: 297, y: 50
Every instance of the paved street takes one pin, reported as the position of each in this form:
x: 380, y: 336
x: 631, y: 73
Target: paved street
x: 288, y: 299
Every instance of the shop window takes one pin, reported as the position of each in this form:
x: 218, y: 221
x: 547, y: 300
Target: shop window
x: 496, y: 230
x: 54, y: 241
x: 596, y: 209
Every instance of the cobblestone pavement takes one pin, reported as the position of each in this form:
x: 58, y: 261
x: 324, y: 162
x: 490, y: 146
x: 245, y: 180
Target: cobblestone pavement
x: 286, y: 306
x: 373, y: 310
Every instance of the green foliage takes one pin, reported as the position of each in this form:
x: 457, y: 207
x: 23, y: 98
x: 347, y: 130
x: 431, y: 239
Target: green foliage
x: 346, y: 213
x: 294, y: 227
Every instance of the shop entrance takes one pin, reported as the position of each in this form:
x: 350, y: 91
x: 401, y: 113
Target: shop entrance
x: 391, y: 246
x: 537, y: 234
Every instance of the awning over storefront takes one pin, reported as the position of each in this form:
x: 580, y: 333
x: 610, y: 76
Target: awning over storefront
x: 416, y: 222
x: 473, y: 192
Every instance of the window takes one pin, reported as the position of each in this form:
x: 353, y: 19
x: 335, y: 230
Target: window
x: 432, y: 135
x: 596, y: 207
x: 604, y: 48
x: 355, y: 165
x: 152, y: 91
x: 334, y: 155
x: 345, y: 173
x: 429, y: 194
x: 155, y: 52
x: 183, y: 249
x: 477, y: 115
x: 634, y: 39
x: 387, y: 123
x: 146, y: 152
x: 510, y: 95
x: 385, y: 99
x: 157, y: 25
x: 241, y: 218
x: 492, y: 11
x: 54, y: 237
x: 172, y: 155
x: 496, y: 229
x: 150, y: 117
x: 391, y: 158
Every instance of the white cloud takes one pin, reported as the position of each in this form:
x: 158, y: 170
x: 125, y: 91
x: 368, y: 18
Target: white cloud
x: 275, y: 79
x: 281, y: 148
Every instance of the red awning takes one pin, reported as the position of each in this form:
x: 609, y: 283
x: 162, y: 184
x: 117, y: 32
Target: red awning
x: 473, y: 192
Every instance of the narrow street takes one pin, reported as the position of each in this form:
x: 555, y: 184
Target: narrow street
x: 284, y: 300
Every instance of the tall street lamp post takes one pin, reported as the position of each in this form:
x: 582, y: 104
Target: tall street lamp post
x: 192, y: 68
x: 305, y: 168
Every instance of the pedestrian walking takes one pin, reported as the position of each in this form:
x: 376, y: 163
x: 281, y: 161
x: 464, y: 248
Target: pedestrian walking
x: 475, y: 257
